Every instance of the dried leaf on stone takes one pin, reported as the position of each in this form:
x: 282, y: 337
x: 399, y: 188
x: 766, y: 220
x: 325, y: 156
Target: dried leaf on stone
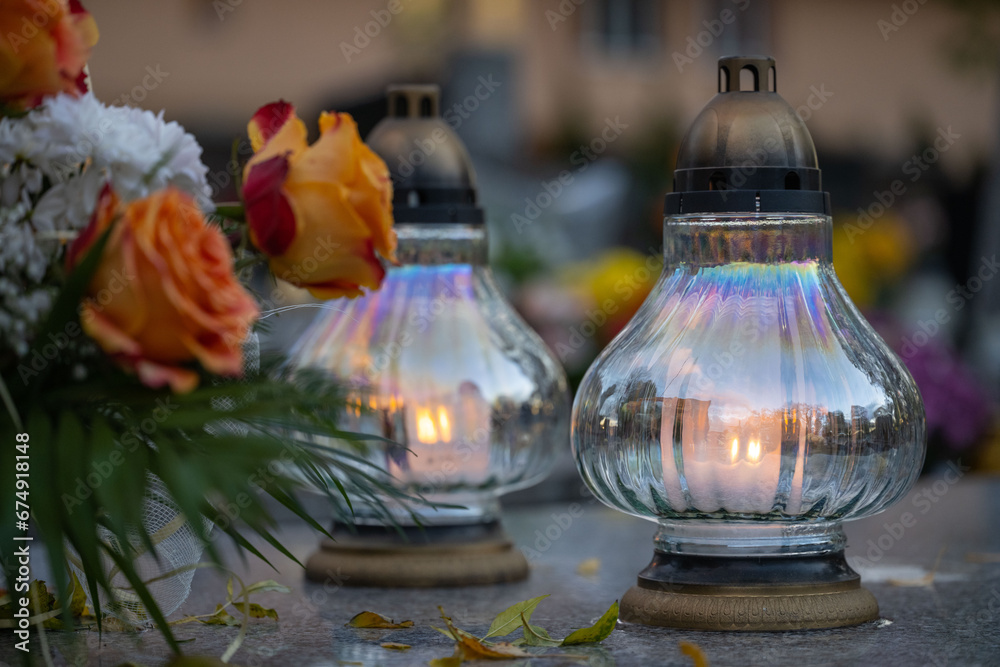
x: 257, y: 611
x: 472, y: 648
x: 694, y: 652
x: 599, y: 631
x: 926, y: 580
x: 450, y: 661
x: 509, y: 619
x: 982, y: 557
x: 393, y: 646
x: 369, y: 619
x: 220, y: 617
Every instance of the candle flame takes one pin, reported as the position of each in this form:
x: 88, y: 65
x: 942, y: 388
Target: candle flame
x: 429, y: 430
x: 426, y: 432
x: 444, y: 425
x: 753, y: 451
x: 735, y: 450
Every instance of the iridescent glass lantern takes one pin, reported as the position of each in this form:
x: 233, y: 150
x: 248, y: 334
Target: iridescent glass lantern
x: 464, y: 399
x: 748, y: 408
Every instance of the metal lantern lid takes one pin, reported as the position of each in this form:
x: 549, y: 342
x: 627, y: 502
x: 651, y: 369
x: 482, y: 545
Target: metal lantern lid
x: 432, y: 175
x: 747, y: 151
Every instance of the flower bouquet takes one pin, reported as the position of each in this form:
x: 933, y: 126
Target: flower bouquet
x: 136, y: 409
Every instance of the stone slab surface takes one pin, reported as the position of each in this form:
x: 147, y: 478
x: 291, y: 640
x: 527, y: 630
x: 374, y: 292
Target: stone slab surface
x: 955, y: 620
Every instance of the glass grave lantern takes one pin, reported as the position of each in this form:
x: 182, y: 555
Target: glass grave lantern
x: 748, y: 408
x: 466, y: 400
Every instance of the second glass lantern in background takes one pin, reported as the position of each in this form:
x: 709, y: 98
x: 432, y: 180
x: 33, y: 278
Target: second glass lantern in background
x: 467, y: 401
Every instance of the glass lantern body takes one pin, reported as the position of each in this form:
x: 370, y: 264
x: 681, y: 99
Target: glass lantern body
x: 748, y: 407
x: 466, y: 400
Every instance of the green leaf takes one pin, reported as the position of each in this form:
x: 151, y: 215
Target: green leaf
x: 468, y: 646
x: 67, y: 303
x: 598, y: 631
x: 442, y: 631
x: 257, y: 611
x: 509, y: 619
x: 233, y: 211
x: 537, y: 636
x: 221, y: 617
x: 78, y: 603
x: 268, y: 585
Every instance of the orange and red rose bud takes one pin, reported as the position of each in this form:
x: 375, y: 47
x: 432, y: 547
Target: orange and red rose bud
x: 164, y: 294
x: 322, y: 213
x: 44, y: 48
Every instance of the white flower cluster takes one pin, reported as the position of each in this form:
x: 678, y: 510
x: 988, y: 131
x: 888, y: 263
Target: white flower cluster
x: 53, y: 163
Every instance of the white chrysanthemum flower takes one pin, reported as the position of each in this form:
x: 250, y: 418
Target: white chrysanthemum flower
x: 74, y: 145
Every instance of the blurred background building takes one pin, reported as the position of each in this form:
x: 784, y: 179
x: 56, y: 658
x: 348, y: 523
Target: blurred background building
x: 572, y: 110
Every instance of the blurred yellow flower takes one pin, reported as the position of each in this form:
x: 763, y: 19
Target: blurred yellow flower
x: 872, y: 260
x: 617, y: 282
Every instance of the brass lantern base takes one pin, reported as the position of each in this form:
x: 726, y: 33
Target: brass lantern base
x: 749, y: 594
x: 420, y: 558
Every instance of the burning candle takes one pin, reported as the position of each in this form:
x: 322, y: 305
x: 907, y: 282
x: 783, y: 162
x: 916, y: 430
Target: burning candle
x: 728, y: 464
x: 447, y: 441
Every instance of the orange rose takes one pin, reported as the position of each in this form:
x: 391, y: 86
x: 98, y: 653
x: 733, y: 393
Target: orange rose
x: 44, y: 46
x: 164, y: 293
x: 319, y: 212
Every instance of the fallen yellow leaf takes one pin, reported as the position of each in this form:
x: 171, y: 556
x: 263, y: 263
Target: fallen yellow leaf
x: 472, y: 648
x: 979, y: 557
x: 393, y: 646
x: 450, y: 661
x: 369, y: 619
x: 694, y: 652
x: 926, y: 580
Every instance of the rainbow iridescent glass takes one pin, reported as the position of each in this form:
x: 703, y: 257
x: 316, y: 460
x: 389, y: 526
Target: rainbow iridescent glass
x: 466, y: 400
x: 748, y: 406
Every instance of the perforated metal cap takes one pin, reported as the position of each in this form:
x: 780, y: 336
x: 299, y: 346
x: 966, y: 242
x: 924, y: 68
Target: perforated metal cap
x: 432, y: 175
x: 748, y: 150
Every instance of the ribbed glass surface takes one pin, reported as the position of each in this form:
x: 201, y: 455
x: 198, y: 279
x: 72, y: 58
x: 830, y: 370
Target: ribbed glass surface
x: 748, y: 387
x: 468, y: 398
